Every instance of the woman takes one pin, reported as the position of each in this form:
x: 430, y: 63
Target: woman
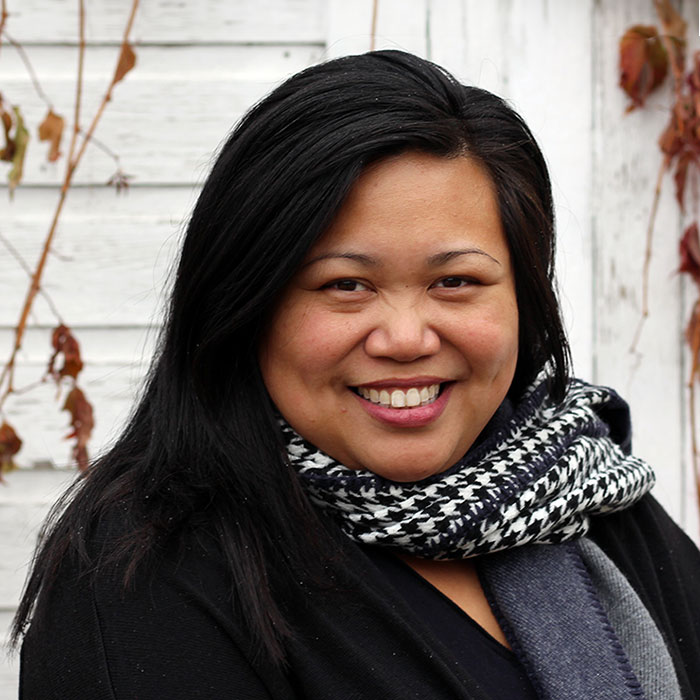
x: 359, y: 468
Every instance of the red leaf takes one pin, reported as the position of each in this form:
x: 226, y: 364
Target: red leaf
x: 685, y: 160
x: 692, y: 337
x: 643, y: 63
x: 64, y: 343
x: 690, y: 253
x: 670, y: 141
x: 10, y: 445
x: 82, y: 422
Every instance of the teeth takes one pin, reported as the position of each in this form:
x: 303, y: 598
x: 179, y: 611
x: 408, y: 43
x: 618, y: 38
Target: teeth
x: 398, y: 398
x: 413, y: 397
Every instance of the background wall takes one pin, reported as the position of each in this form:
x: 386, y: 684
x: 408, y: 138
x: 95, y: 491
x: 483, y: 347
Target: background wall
x: 199, y: 66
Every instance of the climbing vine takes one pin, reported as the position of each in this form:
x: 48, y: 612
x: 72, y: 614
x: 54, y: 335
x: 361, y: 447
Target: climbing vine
x: 647, y: 55
x: 65, y: 362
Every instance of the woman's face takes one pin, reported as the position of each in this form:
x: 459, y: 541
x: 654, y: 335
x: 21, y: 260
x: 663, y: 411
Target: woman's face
x: 397, y: 339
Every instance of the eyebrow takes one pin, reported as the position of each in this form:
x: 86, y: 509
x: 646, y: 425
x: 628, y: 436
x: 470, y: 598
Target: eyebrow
x: 442, y: 258
x: 369, y: 261
x: 357, y: 257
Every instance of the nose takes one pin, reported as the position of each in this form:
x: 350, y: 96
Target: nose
x: 403, y: 335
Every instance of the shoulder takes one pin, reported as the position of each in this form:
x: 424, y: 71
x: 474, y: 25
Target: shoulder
x: 170, y: 632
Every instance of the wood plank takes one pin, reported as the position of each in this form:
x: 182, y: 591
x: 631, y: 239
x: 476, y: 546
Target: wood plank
x: 165, y: 22
x: 112, y: 254
x: 24, y: 503
x: 626, y: 165
x: 400, y: 25
x: 99, y: 345
x: 166, y: 119
x: 37, y: 417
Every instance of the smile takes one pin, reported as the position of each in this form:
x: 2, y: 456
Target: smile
x: 400, y: 398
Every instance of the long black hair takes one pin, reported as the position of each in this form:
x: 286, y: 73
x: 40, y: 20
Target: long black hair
x: 202, y: 445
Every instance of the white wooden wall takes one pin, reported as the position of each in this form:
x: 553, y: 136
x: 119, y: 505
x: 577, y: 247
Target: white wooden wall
x: 200, y: 65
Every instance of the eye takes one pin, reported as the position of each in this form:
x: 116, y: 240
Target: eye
x: 346, y: 286
x: 454, y: 282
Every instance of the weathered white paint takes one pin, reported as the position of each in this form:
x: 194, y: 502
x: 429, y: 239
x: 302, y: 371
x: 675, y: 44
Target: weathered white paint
x: 119, y: 247
x: 200, y: 65
x: 168, y: 22
x: 166, y: 118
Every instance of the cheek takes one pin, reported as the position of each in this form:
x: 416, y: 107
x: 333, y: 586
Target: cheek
x: 490, y: 340
x: 304, y: 348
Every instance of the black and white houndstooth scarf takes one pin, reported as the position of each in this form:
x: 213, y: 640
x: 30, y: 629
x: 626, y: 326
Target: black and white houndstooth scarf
x: 538, y: 473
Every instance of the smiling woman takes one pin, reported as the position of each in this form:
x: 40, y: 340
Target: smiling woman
x: 360, y: 468
x: 397, y: 340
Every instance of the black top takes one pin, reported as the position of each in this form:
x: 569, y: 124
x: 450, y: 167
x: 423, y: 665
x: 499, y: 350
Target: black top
x: 173, y: 636
x: 495, y: 667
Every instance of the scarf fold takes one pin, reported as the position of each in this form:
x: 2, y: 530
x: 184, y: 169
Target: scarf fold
x: 535, y: 476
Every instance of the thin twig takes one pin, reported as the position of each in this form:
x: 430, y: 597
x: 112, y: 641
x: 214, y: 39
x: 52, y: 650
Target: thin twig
x: 25, y: 266
x: 647, y: 256
x: 3, y: 18
x: 104, y: 148
x: 108, y: 94
x: 78, y: 91
x: 30, y: 69
x: 72, y: 164
x: 373, y: 33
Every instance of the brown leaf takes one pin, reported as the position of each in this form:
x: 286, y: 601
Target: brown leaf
x: 127, y: 60
x: 692, y: 337
x: 643, y: 63
x: 10, y: 445
x: 690, y: 253
x: 673, y: 24
x: 8, y: 149
x: 64, y: 343
x: 670, y: 141
x: 120, y: 180
x: 21, y: 141
x: 51, y: 129
x: 82, y: 423
x: 685, y: 160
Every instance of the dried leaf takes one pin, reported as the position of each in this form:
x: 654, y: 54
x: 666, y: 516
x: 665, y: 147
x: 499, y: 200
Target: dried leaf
x: 685, y: 160
x: 120, y: 180
x: 64, y: 343
x: 673, y: 24
x: 51, y: 129
x: 643, y: 63
x: 670, y: 141
x: 8, y: 149
x: 21, y: 140
x: 82, y: 423
x: 675, y: 28
x: 692, y: 337
x: 690, y: 253
x: 10, y: 445
x: 127, y: 60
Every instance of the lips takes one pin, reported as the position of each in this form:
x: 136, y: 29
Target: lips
x: 407, y: 406
x: 400, y: 398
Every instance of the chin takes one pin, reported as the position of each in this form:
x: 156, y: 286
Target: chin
x: 406, y: 472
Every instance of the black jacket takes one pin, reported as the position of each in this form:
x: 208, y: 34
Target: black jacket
x: 172, y: 634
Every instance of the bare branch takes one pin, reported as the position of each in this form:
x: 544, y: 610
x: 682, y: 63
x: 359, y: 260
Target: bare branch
x: 373, y: 33
x: 30, y: 69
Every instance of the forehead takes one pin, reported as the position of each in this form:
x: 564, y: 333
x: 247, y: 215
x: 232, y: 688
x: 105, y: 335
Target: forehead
x: 417, y: 203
